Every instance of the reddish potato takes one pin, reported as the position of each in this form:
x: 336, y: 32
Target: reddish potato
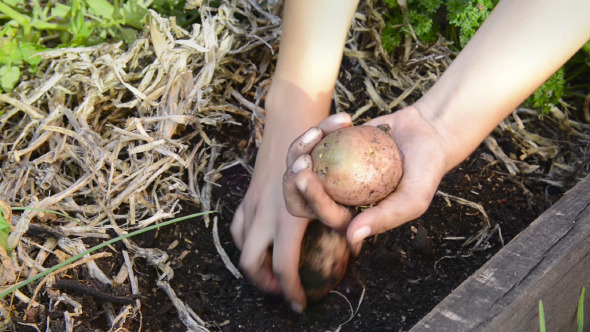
x: 323, y: 261
x: 358, y: 165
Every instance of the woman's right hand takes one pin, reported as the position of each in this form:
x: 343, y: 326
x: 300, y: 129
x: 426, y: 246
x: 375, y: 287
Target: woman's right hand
x: 424, y: 164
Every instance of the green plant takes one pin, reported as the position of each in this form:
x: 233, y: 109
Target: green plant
x: 579, y: 314
x: 549, y: 93
x: 542, y: 327
x: 32, y: 26
x: 14, y: 53
x: 586, y: 49
x: 419, y: 15
x: 177, y: 9
x: 467, y: 16
x: 95, y: 248
x: 456, y: 19
x: 4, y: 231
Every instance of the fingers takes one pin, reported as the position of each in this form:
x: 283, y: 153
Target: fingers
x: 323, y: 206
x: 286, y: 255
x: 237, y: 226
x: 335, y: 122
x: 255, y: 259
x: 254, y: 242
x: 305, y: 196
x: 278, y: 272
x: 296, y: 203
x: 409, y: 201
x: 305, y: 143
x: 313, y: 202
x: 254, y: 229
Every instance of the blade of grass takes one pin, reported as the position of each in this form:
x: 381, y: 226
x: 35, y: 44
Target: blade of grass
x: 541, y: 317
x: 97, y: 247
x: 581, y: 310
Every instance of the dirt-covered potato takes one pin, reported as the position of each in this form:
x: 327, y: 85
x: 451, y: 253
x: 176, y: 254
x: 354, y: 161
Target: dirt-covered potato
x: 358, y: 165
x: 323, y: 261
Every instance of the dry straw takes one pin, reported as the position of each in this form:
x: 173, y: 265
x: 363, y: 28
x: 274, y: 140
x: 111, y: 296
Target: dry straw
x: 125, y: 138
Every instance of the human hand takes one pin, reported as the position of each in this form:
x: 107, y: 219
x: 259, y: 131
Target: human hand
x: 261, y: 223
x: 424, y: 166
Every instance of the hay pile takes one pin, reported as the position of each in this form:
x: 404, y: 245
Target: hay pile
x: 121, y: 139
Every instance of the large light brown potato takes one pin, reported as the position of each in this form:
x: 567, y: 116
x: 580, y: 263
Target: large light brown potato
x: 358, y: 165
x: 323, y: 261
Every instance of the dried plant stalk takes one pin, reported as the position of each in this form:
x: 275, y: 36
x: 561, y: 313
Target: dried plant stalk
x: 107, y: 133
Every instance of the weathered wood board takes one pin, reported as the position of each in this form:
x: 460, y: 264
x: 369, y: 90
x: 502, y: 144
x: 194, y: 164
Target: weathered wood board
x: 548, y: 261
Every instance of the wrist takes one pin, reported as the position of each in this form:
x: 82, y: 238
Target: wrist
x: 438, y: 137
x: 291, y: 108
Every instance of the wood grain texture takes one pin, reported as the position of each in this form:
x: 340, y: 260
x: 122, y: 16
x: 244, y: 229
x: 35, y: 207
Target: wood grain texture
x: 548, y: 261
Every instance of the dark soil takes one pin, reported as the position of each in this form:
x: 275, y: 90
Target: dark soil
x: 404, y: 273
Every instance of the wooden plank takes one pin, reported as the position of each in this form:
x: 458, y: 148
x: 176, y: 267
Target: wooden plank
x: 548, y: 261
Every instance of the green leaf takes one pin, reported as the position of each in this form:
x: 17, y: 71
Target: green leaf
x: 9, y: 76
x: 9, y: 52
x: 133, y: 13
x: 468, y: 15
x: 28, y: 51
x: 423, y: 26
x: 586, y: 49
x: 580, y: 315
x: 78, y: 27
x: 102, y: 8
x: 4, y: 225
x: 392, y: 3
x: 60, y: 11
x: 390, y: 38
x: 4, y: 231
x: 549, y: 93
x: 431, y: 6
x: 12, y: 3
x: 541, y: 317
x: 128, y: 35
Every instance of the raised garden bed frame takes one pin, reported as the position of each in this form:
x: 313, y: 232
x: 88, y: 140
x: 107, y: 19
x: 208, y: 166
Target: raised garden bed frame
x: 548, y: 261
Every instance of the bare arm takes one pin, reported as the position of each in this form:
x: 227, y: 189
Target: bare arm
x: 312, y: 44
x: 518, y: 47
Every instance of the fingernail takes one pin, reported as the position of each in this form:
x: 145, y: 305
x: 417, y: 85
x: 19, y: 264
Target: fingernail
x: 300, y: 164
x: 340, y: 118
x: 361, y: 234
x: 298, y: 308
x: 310, y: 135
x: 301, y: 184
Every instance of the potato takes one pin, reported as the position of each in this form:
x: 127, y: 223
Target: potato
x: 323, y: 261
x: 358, y: 165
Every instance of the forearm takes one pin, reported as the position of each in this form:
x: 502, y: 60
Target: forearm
x: 518, y: 47
x: 312, y: 44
